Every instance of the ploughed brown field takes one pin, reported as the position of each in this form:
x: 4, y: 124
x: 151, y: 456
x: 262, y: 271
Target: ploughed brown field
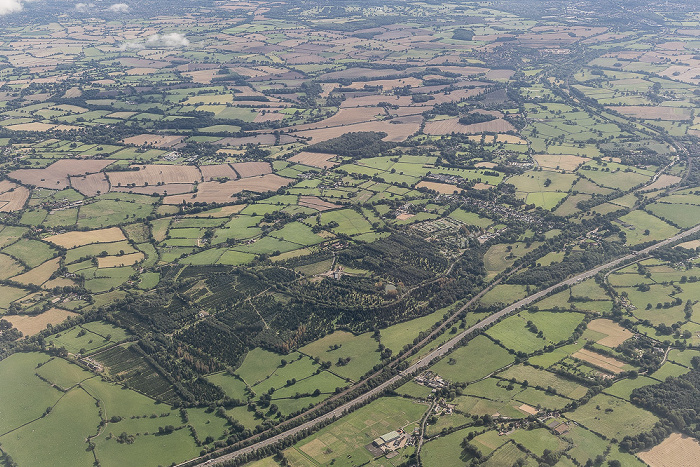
x: 56, y: 175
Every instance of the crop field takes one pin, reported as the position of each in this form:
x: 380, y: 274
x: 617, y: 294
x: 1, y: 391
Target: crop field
x: 343, y: 443
x: 614, y: 333
x: 74, y: 239
x: 676, y: 450
x: 320, y: 160
x: 32, y: 324
x: 512, y: 334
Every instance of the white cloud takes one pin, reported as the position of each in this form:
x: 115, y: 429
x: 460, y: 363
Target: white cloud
x: 171, y: 40
x: 174, y: 39
x: 117, y: 8
x: 10, y: 6
x: 84, y: 7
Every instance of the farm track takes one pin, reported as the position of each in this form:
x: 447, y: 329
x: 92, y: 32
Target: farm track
x: 443, y: 349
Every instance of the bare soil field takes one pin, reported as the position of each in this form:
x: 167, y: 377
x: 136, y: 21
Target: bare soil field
x: 675, y: 451
x: 316, y: 203
x: 90, y: 185
x: 56, y: 175
x: 252, y: 169
x: 345, y: 116
x: 74, y: 239
x: 216, y: 192
x: 444, y: 188
x: 651, y: 113
x: 616, y: 334
x: 212, y: 172
x: 159, y: 141
x: 314, y: 159
x: 117, y: 261
x: 147, y: 175
x: 30, y: 325
x: 559, y: 161
x: 452, y: 125
x: 12, y: 196
x: 374, y: 100
x: 601, y: 361
x: 528, y: 409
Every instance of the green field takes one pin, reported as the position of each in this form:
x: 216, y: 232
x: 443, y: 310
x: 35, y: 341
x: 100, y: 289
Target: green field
x: 361, y: 350
x: 613, y: 417
x: 460, y: 364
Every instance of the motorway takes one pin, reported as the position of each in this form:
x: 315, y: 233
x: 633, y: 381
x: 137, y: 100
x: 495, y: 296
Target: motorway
x: 440, y: 351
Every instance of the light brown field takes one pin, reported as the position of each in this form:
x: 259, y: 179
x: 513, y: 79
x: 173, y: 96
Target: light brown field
x: 30, y: 325
x: 56, y: 175
x: 528, y: 409
x: 374, y: 100
x: 314, y: 159
x: 39, y: 274
x: 216, y: 192
x: 663, y: 181
x: 90, y: 185
x: 651, y: 113
x: 559, y: 161
x: 488, y: 165
x: 345, y: 116
x: 601, y: 361
x: 443, y: 188
x: 31, y: 126
x: 9, y: 267
x: 388, y: 84
x: 399, y: 131
x: 117, y: 261
x: 252, y: 169
x: 314, y: 202
x: 675, y: 451
x: 212, y: 172
x: 690, y: 245
x: 615, y: 334
x: 405, y: 216
x: 12, y: 196
x: 148, y: 175
x: 141, y: 71
x: 74, y: 239
x: 159, y: 141
x: 452, y: 125
x: 166, y: 189
x: 512, y: 139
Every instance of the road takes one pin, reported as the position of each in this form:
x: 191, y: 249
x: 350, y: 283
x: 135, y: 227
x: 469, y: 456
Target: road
x: 442, y: 350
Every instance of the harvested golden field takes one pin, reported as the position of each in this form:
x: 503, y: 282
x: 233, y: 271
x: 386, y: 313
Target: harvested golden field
x: 397, y: 129
x: 443, y: 188
x: 559, y: 161
x: 159, y: 141
x: 600, y: 361
x: 388, y: 84
x: 32, y: 126
x: 663, y: 181
x: 39, y: 274
x: 56, y: 175
x: 314, y: 159
x: 615, y: 334
x: 30, y: 325
x: 675, y: 451
x: 252, y: 169
x: 512, y: 139
x: 452, y: 125
x: 90, y: 185
x: 216, y: 192
x: 148, y: 175
x: 12, y: 196
x: 74, y: 239
x: 652, y: 113
x: 528, y: 409
x: 345, y: 116
x: 118, y: 261
x: 212, y: 172
x: 316, y: 203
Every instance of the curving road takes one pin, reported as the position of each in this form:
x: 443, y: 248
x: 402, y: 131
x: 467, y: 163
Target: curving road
x: 440, y: 351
